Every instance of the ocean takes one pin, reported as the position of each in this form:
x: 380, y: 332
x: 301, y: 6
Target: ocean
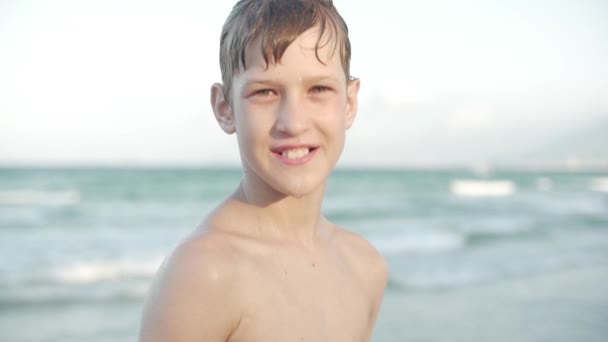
x: 495, y: 256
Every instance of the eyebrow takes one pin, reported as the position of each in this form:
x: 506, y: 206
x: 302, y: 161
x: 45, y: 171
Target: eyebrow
x: 314, y: 79
x: 258, y: 82
x: 307, y: 80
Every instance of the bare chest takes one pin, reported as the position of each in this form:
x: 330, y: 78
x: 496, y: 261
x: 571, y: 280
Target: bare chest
x: 304, y: 302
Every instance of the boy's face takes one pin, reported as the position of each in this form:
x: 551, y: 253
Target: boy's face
x: 290, y: 117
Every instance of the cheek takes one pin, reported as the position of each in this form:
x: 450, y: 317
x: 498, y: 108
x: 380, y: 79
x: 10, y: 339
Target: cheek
x: 245, y: 131
x: 251, y: 128
x: 334, y: 117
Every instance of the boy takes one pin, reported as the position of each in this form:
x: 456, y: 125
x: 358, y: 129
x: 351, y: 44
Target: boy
x: 266, y: 265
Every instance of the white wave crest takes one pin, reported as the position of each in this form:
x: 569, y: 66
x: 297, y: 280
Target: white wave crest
x: 443, y: 278
x: 482, y: 188
x: 38, y: 197
x: 599, y: 184
x: 42, y: 294
x: 418, y: 242
x: 91, y: 272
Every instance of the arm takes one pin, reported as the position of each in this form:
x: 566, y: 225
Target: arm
x: 371, y: 270
x: 378, y: 281
x: 192, y: 298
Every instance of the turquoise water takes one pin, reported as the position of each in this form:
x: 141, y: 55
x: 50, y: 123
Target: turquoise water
x: 80, y: 246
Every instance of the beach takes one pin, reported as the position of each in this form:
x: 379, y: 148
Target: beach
x: 514, y: 255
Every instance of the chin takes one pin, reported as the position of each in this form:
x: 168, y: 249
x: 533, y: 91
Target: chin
x: 292, y: 181
x: 299, y: 187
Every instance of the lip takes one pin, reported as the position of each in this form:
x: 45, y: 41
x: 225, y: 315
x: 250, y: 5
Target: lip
x: 277, y: 153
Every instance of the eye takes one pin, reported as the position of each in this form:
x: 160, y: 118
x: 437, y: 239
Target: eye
x: 320, y: 89
x: 264, y: 92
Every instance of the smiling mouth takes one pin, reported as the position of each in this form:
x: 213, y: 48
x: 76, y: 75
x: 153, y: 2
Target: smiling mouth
x: 295, y: 153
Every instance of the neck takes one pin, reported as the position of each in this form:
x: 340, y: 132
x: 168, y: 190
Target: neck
x: 281, y: 216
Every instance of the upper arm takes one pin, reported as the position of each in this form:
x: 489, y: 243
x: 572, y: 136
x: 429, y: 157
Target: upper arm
x: 378, y: 280
x: 372, y: 269
x: 191, y: 299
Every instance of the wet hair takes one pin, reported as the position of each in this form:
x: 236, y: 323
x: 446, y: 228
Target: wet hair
x: 275, y: 24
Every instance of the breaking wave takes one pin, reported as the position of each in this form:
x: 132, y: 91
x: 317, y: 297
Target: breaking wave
x: 92, y: 272
x: 39, y: 197
x: 600, y: 184
x: 482, y: 188
x: 418, y: 242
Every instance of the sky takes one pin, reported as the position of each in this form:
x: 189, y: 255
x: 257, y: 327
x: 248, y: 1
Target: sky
x: 443, y: 82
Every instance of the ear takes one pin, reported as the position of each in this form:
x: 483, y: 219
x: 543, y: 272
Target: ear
x: 352, y: 91
x: 222, y: 109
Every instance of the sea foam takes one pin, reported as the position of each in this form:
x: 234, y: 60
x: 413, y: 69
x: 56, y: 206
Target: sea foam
x: 600, y: 184
x: 418, y: 242
x: 39, y: 197
x: 92, y: 272
x: 482, y: 188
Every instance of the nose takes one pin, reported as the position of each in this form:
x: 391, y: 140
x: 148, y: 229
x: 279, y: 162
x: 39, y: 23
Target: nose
x: 292, y: 118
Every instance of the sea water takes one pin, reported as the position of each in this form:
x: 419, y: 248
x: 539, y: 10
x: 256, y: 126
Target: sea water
x: 79, y: 248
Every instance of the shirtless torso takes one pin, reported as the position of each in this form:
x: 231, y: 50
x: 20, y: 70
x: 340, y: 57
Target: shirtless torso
x: 226, y: 283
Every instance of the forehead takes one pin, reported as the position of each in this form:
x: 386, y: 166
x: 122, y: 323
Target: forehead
x: 307, y: 54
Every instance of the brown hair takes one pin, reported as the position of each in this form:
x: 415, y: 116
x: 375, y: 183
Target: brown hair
x: 277, y: 23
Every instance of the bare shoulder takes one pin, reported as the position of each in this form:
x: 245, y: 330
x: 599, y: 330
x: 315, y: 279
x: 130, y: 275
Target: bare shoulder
x: 194, y: 294
x: 363, y: 257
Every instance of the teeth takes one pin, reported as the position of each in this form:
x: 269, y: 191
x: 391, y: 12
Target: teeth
x: 295, y: 153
